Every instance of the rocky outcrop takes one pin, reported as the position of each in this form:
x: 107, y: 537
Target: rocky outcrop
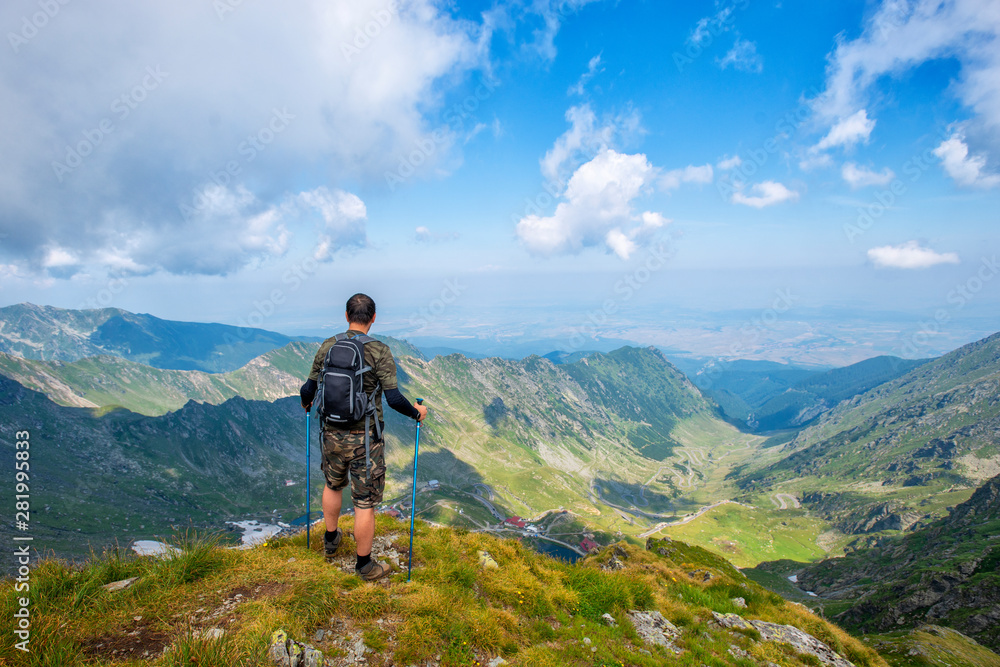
x: 654, y: 629
x: 801, y: 641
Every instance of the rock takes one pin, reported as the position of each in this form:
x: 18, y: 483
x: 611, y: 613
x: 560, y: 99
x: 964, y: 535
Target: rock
x: 740, y: 603
x: 116, y: 586
x: 586, y: 640
x: 731, y: 621
x: 496, y: 662
x: 739, y: 653
x: 313, y: 658
x: 214, y: 633
x: 318, y: 637
x: 278, y: 652
x: 802, y: 642
x: 486, y: 561
x: 654, y: 629
x: 609, y: 621
x: 295, y: 654
x: 613, y: 565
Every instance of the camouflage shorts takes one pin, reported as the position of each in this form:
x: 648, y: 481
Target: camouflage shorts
x: 343, y: 452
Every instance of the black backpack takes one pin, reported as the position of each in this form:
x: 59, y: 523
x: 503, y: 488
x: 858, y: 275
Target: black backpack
x: 341, y: 396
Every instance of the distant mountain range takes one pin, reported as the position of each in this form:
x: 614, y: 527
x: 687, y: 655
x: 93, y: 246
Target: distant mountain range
x: 44, y: 332
x: 768, y: 396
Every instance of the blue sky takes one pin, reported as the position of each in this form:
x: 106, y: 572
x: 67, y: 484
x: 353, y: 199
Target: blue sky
x: 258, y: 163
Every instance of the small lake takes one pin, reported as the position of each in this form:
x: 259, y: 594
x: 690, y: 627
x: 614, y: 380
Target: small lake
x: 554, y: 550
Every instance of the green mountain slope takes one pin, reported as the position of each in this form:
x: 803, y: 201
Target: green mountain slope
x: 600, y: 436
x: 45, y: 332
x: 902, y: 451
x: 947, y: 573
x: 95, y: 479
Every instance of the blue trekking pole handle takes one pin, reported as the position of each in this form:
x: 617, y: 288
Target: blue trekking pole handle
x: 413, y: 498
x: 308, y: 414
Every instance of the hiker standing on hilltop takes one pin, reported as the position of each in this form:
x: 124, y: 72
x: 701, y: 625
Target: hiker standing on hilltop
x: 352, y: 445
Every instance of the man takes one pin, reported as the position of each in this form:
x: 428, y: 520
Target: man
x: 344, y: 448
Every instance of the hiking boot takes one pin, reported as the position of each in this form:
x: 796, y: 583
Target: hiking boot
x: 330, y: 546
x: 373, y: 570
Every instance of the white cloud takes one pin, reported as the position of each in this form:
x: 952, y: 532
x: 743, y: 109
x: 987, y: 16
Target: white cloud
x: 551, y: 14
x: 690, y: 174
x: 727, y: 163
x: 848, y: 131
x: 340, y: 210
x: 353, y: 106
x: 742, y: 56
x: 597, y: 209
x: 965, y: 169
x: 583, y: 140
x: 860, y: 177
x: 424, y: 235
x: 815, y: 161
x: 909, y: 255
x: 901, y: 35
x: 593, y: 68
x: 59, y: 258
x: 716, y: 24
x: 767, y: 193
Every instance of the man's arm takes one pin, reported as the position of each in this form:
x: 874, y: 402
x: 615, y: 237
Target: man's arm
x: 398, y: 402
x: 307, y: 392
x: 385, y: 370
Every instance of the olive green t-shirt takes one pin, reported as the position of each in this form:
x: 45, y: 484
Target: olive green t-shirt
x: 383, y: 373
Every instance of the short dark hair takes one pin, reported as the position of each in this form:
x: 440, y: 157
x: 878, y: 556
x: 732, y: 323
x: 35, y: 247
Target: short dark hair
x: 360, y: 309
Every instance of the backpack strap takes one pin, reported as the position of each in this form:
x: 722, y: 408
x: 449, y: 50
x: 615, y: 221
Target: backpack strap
x: 365, y: 338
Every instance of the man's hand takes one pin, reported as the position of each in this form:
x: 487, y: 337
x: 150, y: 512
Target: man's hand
x: 307, y: 406
x: 422, y: 409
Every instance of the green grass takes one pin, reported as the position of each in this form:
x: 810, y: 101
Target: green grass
x: 932, y: 646
x: 531, y: 610
x: 750, y: 536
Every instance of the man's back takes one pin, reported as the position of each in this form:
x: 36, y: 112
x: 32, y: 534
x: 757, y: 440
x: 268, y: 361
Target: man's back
x: 382, y: 377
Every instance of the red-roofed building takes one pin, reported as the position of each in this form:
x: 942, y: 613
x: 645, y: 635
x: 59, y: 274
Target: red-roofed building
x: 588, y: 545
x: 515, y: 521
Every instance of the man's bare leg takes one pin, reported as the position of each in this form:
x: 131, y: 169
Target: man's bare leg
x: 332, y: 501
x: 364, y: 530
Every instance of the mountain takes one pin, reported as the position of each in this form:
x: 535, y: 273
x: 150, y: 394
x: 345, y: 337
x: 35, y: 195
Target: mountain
x: 947, y: 573
x: 899, y: 453
x: 45, y: 332
x: 768, y: 396
x: 107, y: 381
x: 549, y: 436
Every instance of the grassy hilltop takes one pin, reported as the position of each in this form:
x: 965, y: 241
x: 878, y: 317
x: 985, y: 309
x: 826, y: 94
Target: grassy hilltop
x: 210, y: 606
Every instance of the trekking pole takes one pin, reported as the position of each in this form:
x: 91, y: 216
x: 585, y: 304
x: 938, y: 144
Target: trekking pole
x: 413, y: 499
x: 308, y: 414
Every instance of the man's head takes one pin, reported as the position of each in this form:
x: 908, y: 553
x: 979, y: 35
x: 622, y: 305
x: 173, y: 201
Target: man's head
x: 360, y: 309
